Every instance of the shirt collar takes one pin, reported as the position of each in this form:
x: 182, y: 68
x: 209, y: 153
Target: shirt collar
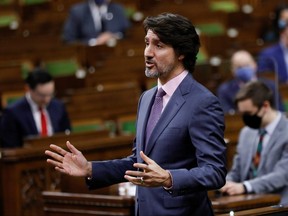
x: 172, y: 84
x: 32, y: 104
x: 271, y: 127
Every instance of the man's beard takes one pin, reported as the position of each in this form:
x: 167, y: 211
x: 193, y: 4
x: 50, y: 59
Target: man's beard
x: 151, y: 75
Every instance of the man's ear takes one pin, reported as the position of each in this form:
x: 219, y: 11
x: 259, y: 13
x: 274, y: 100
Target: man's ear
x: 26, y: 88
x: 266, y: 104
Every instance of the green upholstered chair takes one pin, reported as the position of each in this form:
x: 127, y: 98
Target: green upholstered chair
x: 127, y: 125
x: 7, y: 98
x: 202, y: 56
x: 6, y: 2
x: 8, y: 18
x: 87, y: 125
x: 62, y: 67
x: 33, y: 2
x: 211, y: 28
x: 225, y: 6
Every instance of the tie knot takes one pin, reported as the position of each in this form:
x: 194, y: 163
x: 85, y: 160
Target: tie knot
x: 160, y: 93
x: 262, y: 132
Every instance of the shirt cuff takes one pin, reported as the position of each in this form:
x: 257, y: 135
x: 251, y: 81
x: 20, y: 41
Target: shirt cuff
x: 170, y: 188
x: 248, y: 187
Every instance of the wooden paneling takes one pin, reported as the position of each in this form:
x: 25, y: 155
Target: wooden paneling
x: 25, y: 173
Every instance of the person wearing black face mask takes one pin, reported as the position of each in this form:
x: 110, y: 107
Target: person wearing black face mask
x: 252, y: 121
x: 95, y: 22
x: 260, y: 164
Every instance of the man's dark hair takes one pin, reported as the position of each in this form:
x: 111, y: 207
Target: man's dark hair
x: 37, y: 76
x: 257, y: 91
x: 177, y: 31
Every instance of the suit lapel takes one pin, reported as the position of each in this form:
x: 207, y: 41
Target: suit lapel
x: 143, y: 115
x: 273, y: 139
x: 169, y: 112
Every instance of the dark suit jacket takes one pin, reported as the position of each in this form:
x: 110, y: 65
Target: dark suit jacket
x: 187, y: 141
x: 270, y: 56
x: 17, y: 122
x: 80, y: 26
x: 228, y: 90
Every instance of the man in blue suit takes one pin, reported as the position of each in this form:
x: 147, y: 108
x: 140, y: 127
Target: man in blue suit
x: 95, y: 22
x: 184, y: 155
x: 275, y: 58
x: 23, y: 118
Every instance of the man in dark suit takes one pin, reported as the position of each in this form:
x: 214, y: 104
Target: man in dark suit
x: 177, y: 162
x: 260, y: 167
x: 95, y: 22
x: 37, y: 113
x: 275, y: 57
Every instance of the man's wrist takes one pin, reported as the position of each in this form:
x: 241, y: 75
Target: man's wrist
x: 167, y: 184
x: 89, y: 171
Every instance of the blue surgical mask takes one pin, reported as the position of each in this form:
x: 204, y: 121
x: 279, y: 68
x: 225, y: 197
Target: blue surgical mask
x: 245, y: 74
x: 282, y: 24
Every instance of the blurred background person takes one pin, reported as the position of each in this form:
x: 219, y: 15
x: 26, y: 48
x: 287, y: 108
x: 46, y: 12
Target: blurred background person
x: 38, y: 113
x: 275, y: 57
x: 244, y: 69
x: 95, y: 22
x: 260, y: 164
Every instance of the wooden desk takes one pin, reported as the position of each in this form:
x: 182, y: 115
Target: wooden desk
x: 61, y: 204
x: 84, y: 204
x: 267, y: 211
x: 226, y: 204
x: 24, y: 173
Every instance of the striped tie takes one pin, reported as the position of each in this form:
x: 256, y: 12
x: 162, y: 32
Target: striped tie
x: 257, y: 156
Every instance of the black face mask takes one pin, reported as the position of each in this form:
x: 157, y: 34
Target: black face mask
x: 252, y: 121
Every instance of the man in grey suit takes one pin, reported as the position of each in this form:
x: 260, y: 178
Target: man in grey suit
x: 260, y: 166
x: 176, y: 163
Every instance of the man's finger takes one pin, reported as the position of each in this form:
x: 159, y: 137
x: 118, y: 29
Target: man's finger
x: 72, y: 148
x: 146, y: 158
x: 58, y: 149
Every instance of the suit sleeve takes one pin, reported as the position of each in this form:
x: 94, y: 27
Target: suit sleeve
x: 206, y: 129
x: 10, y: 131
x: 71, y: 26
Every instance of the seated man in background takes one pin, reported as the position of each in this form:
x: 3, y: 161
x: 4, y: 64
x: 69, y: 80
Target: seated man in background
x: 95, y: 22
x: 244, y: 69
x: 275, y: 57
x: 260, y: 164
x: 37, y: 113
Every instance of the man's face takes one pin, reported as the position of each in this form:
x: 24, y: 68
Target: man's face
x: 284, y: 18
x: 43, y: 93
x: 161, y: 60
